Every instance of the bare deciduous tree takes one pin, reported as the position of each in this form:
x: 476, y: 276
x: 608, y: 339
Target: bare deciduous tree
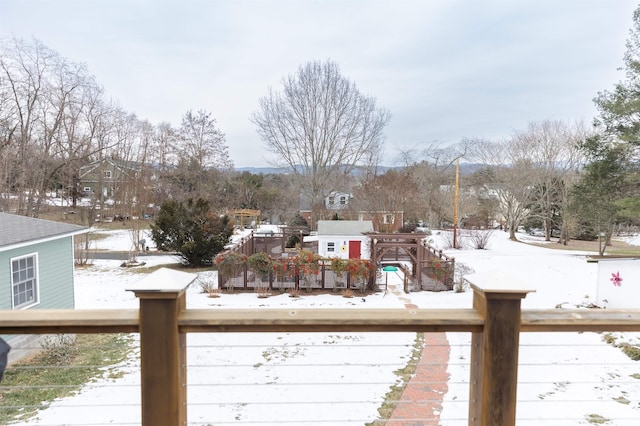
x: 163, y: 147
x: 202, y: 141
x: 202, y: 152
x: 44, y: 131
x: 23, y: 66
x: 513, y: 178
x: 387, y: 194
x: 551, y: 147
x: 321, y: 127
x: 433, y: 170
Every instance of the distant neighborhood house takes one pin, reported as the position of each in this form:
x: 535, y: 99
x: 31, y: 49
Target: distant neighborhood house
x: 36, y: 268
x: 107, y: 177
x: 340, y: 204
x: 338, y: 200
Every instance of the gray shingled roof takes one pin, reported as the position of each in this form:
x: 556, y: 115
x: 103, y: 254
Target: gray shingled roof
x: 16, y: 229
x: 344, y: 227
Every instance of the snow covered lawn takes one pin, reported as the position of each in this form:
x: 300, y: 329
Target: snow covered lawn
x: 564, y: 378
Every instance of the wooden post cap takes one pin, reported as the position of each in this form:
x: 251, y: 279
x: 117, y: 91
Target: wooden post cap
x: 498, y: 285
x: 163, y: 283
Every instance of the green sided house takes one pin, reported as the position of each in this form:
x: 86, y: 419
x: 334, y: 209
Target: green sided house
x: 36, y: 269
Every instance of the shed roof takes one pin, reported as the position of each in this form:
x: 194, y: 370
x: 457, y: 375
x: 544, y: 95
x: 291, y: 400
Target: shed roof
x: 16, y: 229
x: 344, y: 227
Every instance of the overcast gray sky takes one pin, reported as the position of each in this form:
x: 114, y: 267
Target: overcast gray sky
x: 446, y: 70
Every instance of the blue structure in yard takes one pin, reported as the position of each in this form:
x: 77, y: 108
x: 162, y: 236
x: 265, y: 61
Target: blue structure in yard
x: 36, y: 268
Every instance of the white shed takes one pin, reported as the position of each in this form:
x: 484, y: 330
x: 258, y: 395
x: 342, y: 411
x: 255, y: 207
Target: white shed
x: 618, y: 283
x: 344, y: 238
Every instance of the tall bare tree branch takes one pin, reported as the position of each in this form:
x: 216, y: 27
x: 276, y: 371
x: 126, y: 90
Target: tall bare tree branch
x: 321, y: 127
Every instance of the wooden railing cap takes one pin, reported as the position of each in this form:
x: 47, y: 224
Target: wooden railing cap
x: 164, y: 280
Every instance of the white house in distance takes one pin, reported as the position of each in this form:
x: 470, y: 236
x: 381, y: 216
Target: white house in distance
x: 337, y: 200
x: 344, y: 238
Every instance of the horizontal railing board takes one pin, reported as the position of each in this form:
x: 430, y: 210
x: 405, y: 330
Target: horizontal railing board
x: 40, y: 321
x: 344, y: 320
x: 51, y: 321
x: 580, y: 320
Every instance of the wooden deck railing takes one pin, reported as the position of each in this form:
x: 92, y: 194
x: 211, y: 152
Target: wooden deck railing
x: 495, y: 321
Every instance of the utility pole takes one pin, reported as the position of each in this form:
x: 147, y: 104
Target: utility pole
x: 455, y: 206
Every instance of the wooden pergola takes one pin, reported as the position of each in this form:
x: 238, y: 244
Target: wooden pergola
x: 244, y: 213
x: 396, y: 247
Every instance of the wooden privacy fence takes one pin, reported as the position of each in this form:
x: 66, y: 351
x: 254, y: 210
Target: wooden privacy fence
x: 325, y: 279
x: 439, y: 270
x: 431, y: 269
x: 495, y: 321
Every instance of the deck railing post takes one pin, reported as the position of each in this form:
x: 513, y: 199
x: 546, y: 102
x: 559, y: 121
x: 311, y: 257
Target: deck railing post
x: 494, y: 355
x: 163, y: 347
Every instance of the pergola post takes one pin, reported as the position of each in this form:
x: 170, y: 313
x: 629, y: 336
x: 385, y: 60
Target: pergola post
x: 163, y: 347
x: 494, y: 354
x: 419, y: 264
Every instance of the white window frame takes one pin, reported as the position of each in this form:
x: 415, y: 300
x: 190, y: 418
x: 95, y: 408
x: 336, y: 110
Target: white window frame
x: 107, y: 174
x: 389, y: 219
x: 331, y: 247
x: 343, y: 200
x: 332, y: 200
x: 24, y: 279
x: 87, y: 189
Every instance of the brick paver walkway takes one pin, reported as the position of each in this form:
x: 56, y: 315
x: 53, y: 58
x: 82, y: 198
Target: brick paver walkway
x: 421, y: 401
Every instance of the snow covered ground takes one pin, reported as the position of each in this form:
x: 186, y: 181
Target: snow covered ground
x: 564, y: 378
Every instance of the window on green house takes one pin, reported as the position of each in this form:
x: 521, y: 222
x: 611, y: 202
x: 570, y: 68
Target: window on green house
x: 24, y: 281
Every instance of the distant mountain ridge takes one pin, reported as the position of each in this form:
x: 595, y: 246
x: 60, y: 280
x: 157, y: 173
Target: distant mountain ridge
x: 263, y: 170
x: 465, y: 169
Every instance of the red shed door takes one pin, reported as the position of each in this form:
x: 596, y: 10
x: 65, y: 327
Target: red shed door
x: 354, y: 249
